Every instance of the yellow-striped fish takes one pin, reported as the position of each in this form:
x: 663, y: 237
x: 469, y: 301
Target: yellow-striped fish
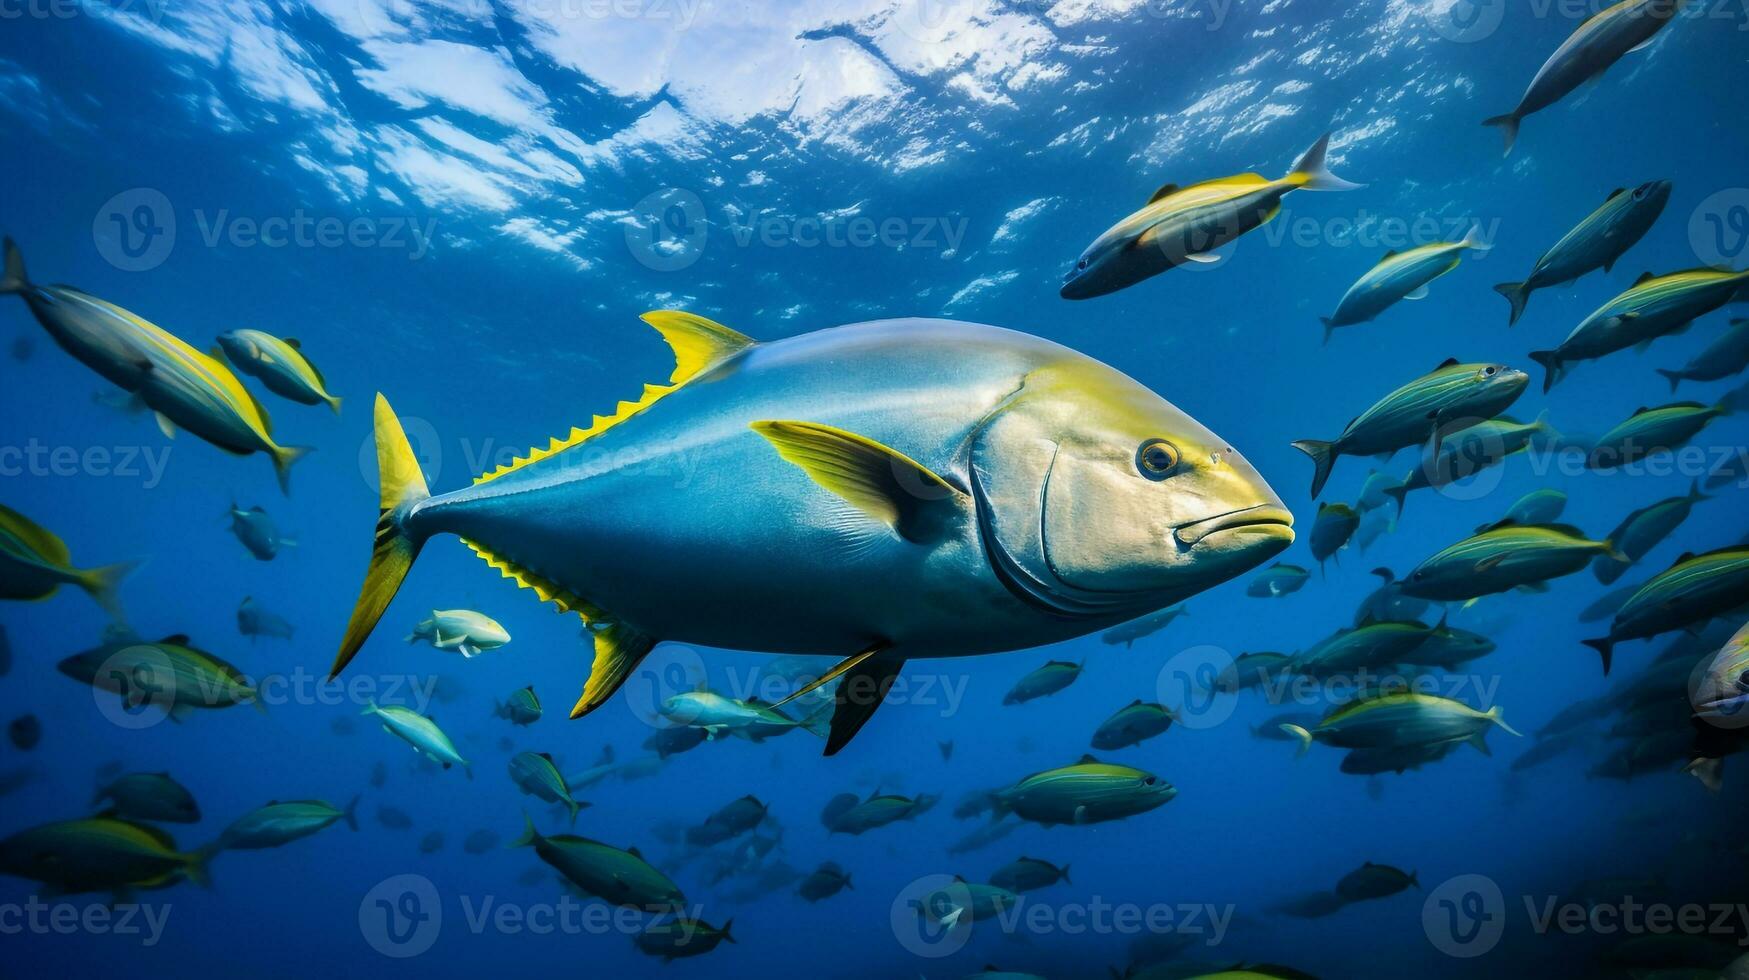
x: 183, y: 386
x: 34, y: 563
x: 280, y: 364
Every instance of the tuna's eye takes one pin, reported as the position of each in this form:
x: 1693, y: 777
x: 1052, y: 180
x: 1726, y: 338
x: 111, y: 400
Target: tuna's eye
x: 1743, y: 680
x: 1156, y: 459
x: 1640, y: 193
x: 1081, y: 264
x: 1151, y: 780
x: 1490, y: 371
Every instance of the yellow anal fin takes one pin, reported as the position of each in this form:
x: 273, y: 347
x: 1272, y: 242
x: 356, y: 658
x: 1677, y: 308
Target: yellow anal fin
x: 549, y: 591
x: 618, y: 649
x: 882, y: 482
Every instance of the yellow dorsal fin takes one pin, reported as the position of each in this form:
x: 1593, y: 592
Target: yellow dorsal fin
x: 698, y: 345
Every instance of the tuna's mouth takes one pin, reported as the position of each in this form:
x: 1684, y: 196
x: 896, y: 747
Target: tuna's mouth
x: 1731, y: 707
x: 1265, y: 519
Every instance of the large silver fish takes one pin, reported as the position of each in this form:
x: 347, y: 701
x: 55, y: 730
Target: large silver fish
x: 1595, y: 243
x: 1583, y: 57
x: 880, y: 491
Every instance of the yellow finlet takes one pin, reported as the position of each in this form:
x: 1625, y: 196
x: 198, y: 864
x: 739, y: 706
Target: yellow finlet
x: 698, y: 345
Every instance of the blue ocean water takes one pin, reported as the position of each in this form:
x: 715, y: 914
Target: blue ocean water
x: 465, y: 206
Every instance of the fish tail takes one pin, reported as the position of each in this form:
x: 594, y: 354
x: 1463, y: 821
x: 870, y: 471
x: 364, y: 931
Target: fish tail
x: 1605, y: 648
x: 575, y: 809
x: 1735, y: 400
x: 1494, y: 715
x: 1311, y: 173
x: 1674, y: 377
x: 402, y: 486
x: 1323, y: 458
x: 350, y: 814
x: 1304, y: 737
x: 1551, y: 362
x: 1710, y: 772
x: 196, y: 868
x: 530, y: 836
x: 1401, y: 496
x: 101, y: 583
x: 14, y: 280
x: 1475, y: 241
x: 727, y: 924
x: 333, y: 403
x: 1329, y: 329
x: 1063, y: 873
x: 1509, y: 124
x: 1516, y: 293
x: 283, y: 458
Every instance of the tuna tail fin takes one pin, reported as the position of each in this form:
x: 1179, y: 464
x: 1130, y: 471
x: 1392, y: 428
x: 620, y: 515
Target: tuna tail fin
x: 334, y: 403
x: 1605, y: 647
x: 1508, y: 123
x: 392, y: 556
x: 101, y: 583
x: 1304, y: 737
x: 727, y: 925
x: 1475, y: 240
x: 1313, y: 175
x: 530, y: 836
x: 1551, y: 362
x: 283, y: 458
x: 1518, y: 295
x: 1323, y: 458
x: 1329, y: 329
x: 575, y: 808
x: 196, y: 868
x: 350, y: 814
x: 1063, y: 873
x: 14, y: 280
x: 1674, y: 377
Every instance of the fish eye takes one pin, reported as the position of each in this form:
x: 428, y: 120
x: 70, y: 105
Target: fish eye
x: 1490, y: 371
x: 1156, y: 459
x: 1081, y: 264
x: 1151, y: 780
x: 1743, y: 680
x: 1418, y: 575
x: 1640, y: 192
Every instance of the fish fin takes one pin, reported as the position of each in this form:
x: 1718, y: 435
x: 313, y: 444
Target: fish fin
x: 1551, y: 362
x: 840, y: 669
x: 1494, y: 715
x: 530, y: 836
x: 1509, y: 126
x: 1203, y: 258
x: 881, y: 482
x: 1418, y: 293
x: 1674, y: 377
x: 1645, y: 277
x: 14, y: 279
x: 1329, y: 329
x: 283, y: 458
x: 1710, y: 772
x: 1479, y: 742
x: 1401, y: 495
x: 333, y: 402
x: 1304, y: 738
x: 865, y: 686
x: 618, y: 649
x: 1323, y: 456
x: 101, y: 583
x: 165, y: 425
x: 1311, y: 173
x: 392, y: 554
x: 1605, y: 648
x: 1164, y: 190
x: 350, y: 814
x: 699, y: 344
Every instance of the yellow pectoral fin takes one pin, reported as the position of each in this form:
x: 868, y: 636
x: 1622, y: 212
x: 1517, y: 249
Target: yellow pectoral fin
x: 883, y: 483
